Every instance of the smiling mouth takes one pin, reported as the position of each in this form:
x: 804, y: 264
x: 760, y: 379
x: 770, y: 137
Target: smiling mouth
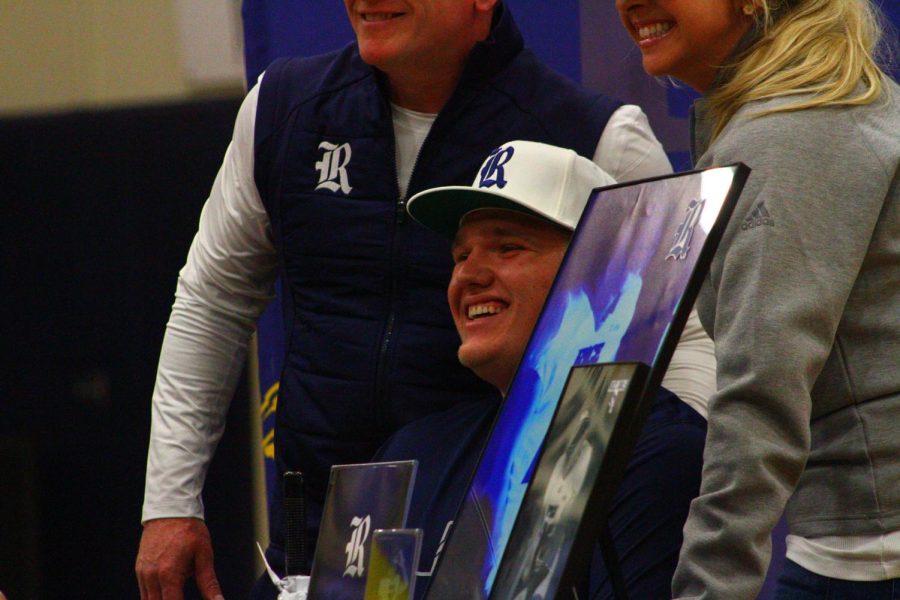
x: 656, y: 30
x: 379, y: 17
x: 479, y: 311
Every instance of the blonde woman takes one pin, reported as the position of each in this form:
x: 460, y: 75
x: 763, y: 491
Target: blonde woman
x: 803, y: 299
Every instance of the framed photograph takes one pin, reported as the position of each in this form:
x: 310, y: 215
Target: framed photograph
x: 622, y: 295
x: 575, y: 477
x: 360, y: 499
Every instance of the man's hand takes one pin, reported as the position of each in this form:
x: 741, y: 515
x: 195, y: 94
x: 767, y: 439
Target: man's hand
x: 171, y: 551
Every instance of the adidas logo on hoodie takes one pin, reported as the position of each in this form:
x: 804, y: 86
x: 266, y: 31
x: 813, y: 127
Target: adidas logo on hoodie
x: 758, y: 217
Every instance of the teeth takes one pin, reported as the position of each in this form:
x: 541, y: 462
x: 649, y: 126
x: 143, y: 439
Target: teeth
x: 479, y: 310
x: 655, y: 30
x: 371, y: 17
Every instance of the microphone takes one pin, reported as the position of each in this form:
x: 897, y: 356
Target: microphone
x: 295, y: 553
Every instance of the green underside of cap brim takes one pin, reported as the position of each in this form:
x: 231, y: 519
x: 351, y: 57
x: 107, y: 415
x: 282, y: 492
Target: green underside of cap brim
x: 441, y: 210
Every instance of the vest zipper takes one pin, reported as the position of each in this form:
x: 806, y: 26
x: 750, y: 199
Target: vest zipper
x: 382, y: 366
x: 381, y: 374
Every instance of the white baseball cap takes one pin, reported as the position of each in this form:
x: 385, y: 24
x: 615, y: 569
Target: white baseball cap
x: 545, y: 181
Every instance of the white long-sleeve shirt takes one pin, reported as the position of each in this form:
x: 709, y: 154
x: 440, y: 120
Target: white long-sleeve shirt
x: 229, y: 278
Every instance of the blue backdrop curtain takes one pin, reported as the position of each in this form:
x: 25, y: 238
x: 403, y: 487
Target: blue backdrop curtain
x: 583, y: 40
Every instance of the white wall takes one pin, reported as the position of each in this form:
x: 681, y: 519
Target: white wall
x: 68, y: 54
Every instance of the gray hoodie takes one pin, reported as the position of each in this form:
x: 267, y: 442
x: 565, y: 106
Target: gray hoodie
x: 803, y: 302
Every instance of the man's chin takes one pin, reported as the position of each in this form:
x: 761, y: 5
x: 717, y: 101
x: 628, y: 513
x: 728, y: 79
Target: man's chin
x: 486, y: 365
x: 474, y: 360
x: 381, y: 54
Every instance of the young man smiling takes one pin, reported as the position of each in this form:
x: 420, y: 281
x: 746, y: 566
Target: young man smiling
x: 510, y: 231
x: 505, y: 263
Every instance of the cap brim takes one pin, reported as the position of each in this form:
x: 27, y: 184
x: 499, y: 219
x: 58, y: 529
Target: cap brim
x: 441, y: 209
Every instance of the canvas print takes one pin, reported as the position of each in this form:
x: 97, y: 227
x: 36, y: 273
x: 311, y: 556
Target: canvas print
x: 360, y: 499
x: 622, y: 294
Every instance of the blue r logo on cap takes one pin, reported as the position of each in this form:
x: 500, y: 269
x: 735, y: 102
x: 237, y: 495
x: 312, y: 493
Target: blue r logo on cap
x: 492, y: 171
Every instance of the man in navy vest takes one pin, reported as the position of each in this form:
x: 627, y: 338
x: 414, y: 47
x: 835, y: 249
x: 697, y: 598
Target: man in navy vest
x: 313, y: 188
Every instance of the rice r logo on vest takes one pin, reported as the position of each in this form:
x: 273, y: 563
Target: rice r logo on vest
x: 333, y: 167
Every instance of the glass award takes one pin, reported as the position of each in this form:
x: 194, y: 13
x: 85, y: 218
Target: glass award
x: 392, y: 564
x: 360, y: 499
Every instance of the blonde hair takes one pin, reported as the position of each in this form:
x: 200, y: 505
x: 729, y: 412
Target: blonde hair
x: 824, y: 49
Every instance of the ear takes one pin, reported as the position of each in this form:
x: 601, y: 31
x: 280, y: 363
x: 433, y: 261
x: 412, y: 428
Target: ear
x: 485, y: 6
x: 748, y: 8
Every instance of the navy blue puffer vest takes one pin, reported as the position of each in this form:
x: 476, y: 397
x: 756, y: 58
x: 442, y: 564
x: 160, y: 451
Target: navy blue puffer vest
x: 370, y: 343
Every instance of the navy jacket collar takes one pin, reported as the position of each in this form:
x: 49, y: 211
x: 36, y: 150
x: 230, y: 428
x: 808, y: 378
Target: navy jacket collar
x: 490, y: 56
